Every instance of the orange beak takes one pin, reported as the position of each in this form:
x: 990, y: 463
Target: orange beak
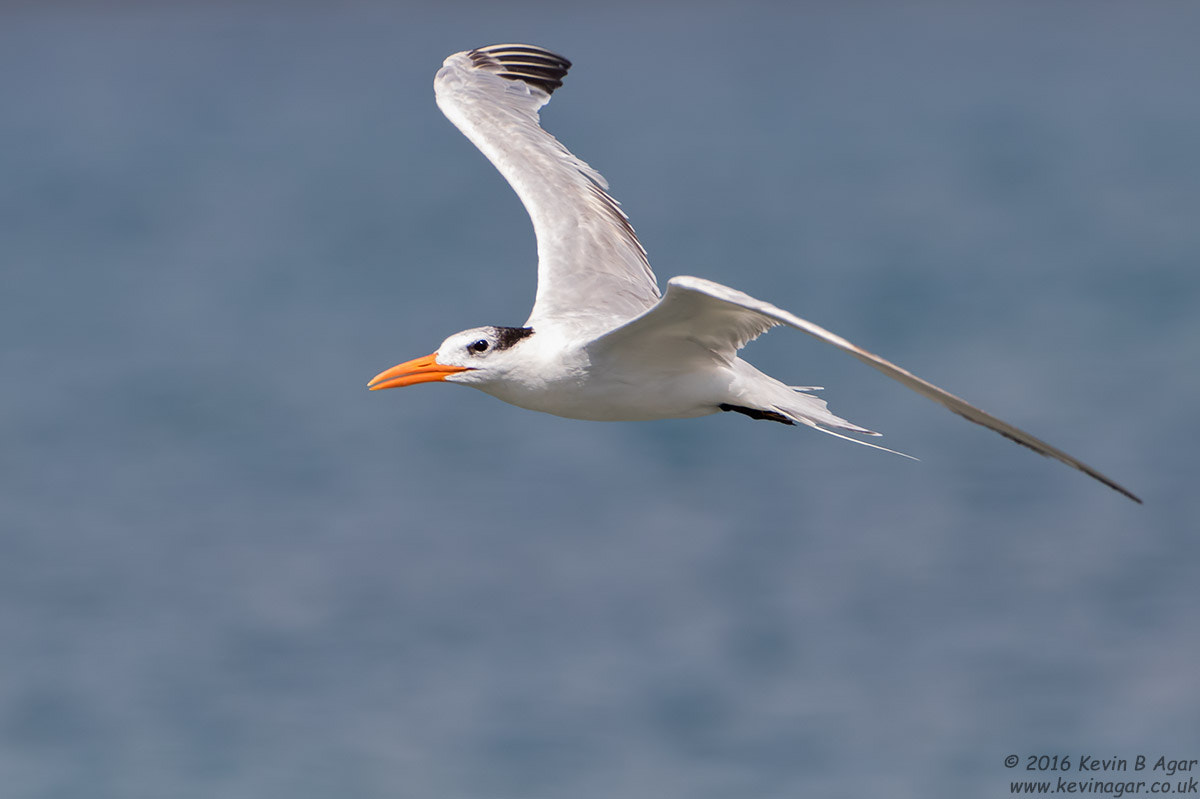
x: 418, y: 370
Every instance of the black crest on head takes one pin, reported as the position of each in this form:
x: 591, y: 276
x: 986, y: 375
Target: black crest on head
x: 508, y: 336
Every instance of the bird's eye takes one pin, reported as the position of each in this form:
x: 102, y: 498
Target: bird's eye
x: 479, y: 346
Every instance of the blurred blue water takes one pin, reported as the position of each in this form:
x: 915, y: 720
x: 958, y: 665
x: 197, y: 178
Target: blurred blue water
x: 228, y: 570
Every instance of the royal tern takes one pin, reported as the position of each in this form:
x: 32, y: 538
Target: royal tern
x: 601, y: 343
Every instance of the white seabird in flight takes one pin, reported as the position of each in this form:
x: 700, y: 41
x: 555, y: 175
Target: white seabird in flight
x: 601, y: 342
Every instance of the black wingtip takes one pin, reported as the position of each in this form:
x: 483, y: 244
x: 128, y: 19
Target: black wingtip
x: 533, y: 65
x: 1083, y: 467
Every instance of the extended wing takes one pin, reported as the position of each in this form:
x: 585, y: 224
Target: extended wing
x: 592, y: 271
x: 723, y: 320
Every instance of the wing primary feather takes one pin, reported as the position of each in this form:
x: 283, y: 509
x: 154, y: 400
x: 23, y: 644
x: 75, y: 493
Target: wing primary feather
x: 533, y: 65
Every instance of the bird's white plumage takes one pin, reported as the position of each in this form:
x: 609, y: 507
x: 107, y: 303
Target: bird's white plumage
x: 600, y: 342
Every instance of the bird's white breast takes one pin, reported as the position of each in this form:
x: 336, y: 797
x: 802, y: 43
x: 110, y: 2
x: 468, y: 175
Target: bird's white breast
x: 561, y: 378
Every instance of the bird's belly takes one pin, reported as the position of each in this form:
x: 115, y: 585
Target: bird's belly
x: 611, y: 399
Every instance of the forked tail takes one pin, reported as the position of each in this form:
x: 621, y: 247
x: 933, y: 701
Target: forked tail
x: 769, y: 399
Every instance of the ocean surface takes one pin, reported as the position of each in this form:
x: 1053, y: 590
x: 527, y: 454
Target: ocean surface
x: 227, y: 570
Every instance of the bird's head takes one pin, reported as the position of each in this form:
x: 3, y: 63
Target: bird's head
x: 474, y: 357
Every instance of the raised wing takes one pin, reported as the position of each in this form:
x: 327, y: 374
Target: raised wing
x: 592, y: 271
x: 723, y: 320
